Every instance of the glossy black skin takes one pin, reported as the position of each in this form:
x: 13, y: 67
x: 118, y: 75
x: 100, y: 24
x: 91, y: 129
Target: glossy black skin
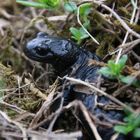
x: 61, y: 53
x: 69, y: 59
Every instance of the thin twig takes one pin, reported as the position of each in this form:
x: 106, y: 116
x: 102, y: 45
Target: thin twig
x: 13, y: 89
x: 131, y: 21
x: 58, y: 112
x: 45, y: 105
x: 17, y: 109
x: 40, y: 113
x: 126, y: 45
x: 78, y: 19
x: 101, y: 92
x: 137, y: 16
x: 24, y: 134
x: 55, y: 136
x: 122, y: 22
x: 118, y: 18
x: 130, y: 47
x: 127, y: 33
x: 36, y: 91
x: 87, y: 116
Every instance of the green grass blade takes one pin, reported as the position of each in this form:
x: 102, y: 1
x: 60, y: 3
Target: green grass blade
x: 32, y: 4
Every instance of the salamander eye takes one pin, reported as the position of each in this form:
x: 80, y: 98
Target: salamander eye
x: 41, y: 51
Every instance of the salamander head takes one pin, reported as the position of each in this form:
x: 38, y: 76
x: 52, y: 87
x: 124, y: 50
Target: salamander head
x: 54, y: 50
x: 45, y: 48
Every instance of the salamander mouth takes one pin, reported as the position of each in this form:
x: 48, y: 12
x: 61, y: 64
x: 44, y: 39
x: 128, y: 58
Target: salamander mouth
x: 37, y: 57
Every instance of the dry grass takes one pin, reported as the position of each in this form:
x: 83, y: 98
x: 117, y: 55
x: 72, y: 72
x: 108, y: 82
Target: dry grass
x: 28, y: 89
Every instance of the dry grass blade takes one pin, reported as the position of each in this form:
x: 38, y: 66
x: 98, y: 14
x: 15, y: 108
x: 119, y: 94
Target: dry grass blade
x: 100, y: 91
x: 35, y: 91
x: 128, y: 29
x: 45, y: 105
x: 23, y: 130
x: 78, y: 19
x: 53, y: 136
x: 87, y: 116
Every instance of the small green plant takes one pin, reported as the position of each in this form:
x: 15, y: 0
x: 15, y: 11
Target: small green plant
x: 131, y: 80
x: 47, y: 4
x: 84, y: 11
x: 132, y: 125
x: 79, y: 34
x: 70, y: 6
x: 114, y: 71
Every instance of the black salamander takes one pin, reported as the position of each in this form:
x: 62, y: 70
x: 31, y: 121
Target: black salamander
x: 67, y: 58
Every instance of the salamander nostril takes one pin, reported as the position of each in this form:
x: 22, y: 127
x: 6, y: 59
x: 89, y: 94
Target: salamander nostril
x: 41, y: 51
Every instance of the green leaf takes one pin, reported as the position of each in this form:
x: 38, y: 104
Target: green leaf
x: 86, y: 24
x: 114, y: 68
x: 131, y: 80
x: 105, y: 71
x: 78, y: 34
x: 121, y: 129
x: 136, y: 121
x: 111, y: 64
x: 75, y: 32
x: 83, y: 33
x: 70, y: 6
x: 85, y: 9
x: 127, y: 79
x: 132, y: 125
x: 122, y: 61
x: 137, y: 133
x: 51, y: 3
x: 32, y: 4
